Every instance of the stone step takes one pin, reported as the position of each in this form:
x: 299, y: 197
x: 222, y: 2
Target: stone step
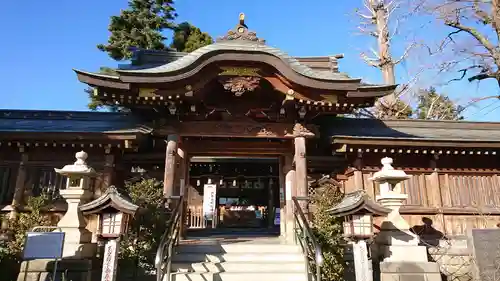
x: 215, y: 267
x: 237, y: 248
x: 226, y: 276
x: 237, y: 257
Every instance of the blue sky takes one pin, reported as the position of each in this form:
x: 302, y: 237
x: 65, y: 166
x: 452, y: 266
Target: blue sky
x: 43, y: 41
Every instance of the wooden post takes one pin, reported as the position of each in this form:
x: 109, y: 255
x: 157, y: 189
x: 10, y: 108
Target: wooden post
x: 18, y: 199
x: 358, y: 175
x: 109, y: 173
x: 270, y: 206
x: 435, y: 190
x: 289, y: 173
x: 170, y: 165
x: 301, y: 171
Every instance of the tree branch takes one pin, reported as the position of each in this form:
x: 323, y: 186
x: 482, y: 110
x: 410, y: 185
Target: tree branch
x: 474, y: 33
x: 405, y: 53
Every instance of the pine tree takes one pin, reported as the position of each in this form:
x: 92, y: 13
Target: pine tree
x: 141, y: 25
x: 188, y: 38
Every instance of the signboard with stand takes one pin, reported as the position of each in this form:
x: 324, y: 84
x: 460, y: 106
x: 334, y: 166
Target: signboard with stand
x: 110, y: 260
x: 209, y: 201
x: 43, y: 242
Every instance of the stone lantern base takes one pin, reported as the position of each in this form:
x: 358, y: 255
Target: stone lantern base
x: 409, y: 271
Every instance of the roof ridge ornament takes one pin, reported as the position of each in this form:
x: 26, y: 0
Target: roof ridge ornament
x: 241, y: 33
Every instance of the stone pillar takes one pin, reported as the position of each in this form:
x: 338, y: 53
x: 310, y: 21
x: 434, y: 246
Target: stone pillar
x: 77, y: 238
x: 170, y: 165
x: 289, y: 173
x: 301, y: 171
x: 183, y: 182
x: 396, y: 246
x: 282, y: 186
x: 18, y: 199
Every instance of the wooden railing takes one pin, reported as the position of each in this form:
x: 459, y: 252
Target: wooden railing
x: 195, y: 218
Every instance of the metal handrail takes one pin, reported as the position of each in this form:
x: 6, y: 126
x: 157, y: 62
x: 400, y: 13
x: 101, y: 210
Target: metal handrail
x: 310, y: 246
x: 170, y: 238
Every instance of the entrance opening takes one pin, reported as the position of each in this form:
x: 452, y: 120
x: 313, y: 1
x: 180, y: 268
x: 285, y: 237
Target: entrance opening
x: 230, y: 194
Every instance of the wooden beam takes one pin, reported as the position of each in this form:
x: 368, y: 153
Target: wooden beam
x: 239, y: 130
x: 415, y: 142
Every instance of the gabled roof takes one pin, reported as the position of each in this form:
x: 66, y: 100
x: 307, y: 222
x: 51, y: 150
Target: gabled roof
x: 111, y: 198
x: 358, y: 202
x: 240, y: 45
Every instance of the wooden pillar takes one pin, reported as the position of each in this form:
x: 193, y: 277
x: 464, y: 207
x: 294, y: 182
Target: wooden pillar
x: 358, y: 174
x: 270, y: 205
x: 108, y: 177
x: 301, y: 171
x: 289, y: 174
x: 18, y: 199
x: 436, y: 196
x: 170, y: 165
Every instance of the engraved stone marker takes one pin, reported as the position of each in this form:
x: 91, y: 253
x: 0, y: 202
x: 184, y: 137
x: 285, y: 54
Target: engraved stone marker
x: 485, y: 246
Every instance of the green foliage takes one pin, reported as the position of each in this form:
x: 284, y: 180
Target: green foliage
x: 96, y: 104
x: 397, y: 110
x: 328, y: 231
x: 147, y: 227
x: 435, y: 106
x: 430, y: 105
x: 188, y: 38
x: 11, y: 250
x: 141, y: 25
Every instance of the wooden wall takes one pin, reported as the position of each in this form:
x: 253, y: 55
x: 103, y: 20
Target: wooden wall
x: 454, y: 198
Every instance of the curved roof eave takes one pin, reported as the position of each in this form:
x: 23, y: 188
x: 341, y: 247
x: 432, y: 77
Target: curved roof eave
x: 192, y: 63
x: 103, y: 80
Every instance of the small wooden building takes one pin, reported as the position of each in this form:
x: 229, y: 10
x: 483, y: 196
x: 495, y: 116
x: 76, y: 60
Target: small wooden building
x: 242, y: 115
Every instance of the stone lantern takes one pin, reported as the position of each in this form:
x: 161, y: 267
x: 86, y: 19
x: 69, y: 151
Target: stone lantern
x: 358, y: 210
x: 114, y: 210
x: 396, y: 247
x: 77, y: 242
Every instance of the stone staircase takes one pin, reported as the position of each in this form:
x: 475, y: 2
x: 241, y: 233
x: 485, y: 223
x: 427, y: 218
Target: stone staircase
x: 243, y: 259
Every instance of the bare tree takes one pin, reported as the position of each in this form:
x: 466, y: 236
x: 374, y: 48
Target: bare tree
x: 379, y: 19
x: 473, y: 37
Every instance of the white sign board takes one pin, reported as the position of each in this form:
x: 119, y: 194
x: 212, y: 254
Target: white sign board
x: 277, y: 216
x: 110, y: 260
x: 43, y: 245
x: 361, y: 265
x: 209, y: 200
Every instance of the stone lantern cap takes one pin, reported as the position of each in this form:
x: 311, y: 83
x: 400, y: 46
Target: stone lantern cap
x: 358, y: 202
x: 80, y: 166
x: 388, y: 173
x: 112, y: 198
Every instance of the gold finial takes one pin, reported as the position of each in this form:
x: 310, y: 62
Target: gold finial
x: 242, y: 18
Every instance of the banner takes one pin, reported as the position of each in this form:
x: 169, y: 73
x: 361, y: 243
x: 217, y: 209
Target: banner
x: 209, y: 200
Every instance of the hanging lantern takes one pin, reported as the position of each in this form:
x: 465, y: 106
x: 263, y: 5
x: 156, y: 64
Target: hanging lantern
x: 172, y: 109
x: 234, y: 182
x: 302, y: 112
x: 198, y: 183
x: 209, y: 181
x: 221, y: 182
